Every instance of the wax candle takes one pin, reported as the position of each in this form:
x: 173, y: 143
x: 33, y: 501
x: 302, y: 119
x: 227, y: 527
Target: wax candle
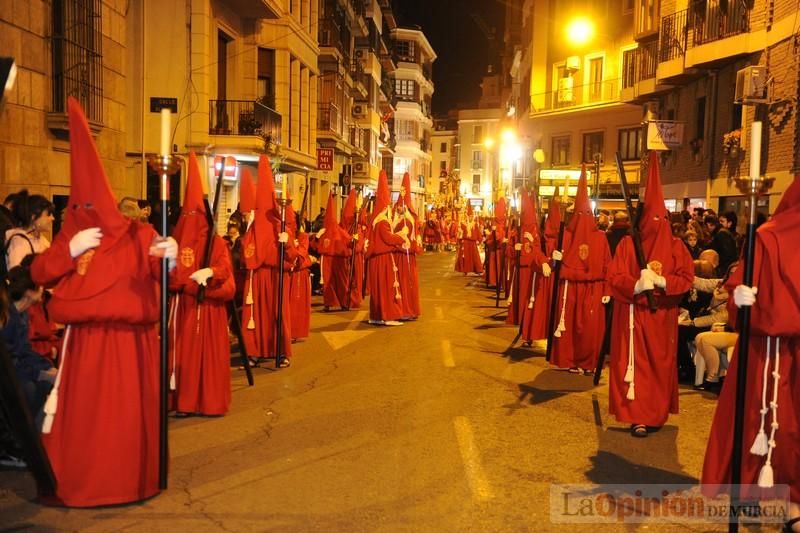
x: 755, y: 149
x: 284, y: 186
x: 166, y: 149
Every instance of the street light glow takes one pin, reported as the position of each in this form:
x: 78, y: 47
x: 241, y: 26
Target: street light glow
x: 508, y: 135
x: 488, y: 142
x: 580, y: 31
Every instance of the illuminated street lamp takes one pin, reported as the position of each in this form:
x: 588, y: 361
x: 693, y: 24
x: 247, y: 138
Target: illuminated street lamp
x: 579, y: 31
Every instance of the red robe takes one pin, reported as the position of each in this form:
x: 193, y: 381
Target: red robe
x: 104, y: 440
x: 494, y: 247
x: 201, y: 355
x: 384, y: 297
x: 537, y: 315
x: 468, y: 258
x: 531, y: 260
x: 655, y: 334
x: 583, y: 311
x: 774, y: 317
x: 300, y: 291
x: 407, y: 272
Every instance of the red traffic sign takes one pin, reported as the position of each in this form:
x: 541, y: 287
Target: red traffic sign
x: 325, y: 158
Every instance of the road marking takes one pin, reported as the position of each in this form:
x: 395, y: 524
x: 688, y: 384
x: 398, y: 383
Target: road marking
x: 476, y: 477
x: 447, y: 354
x: 358, y: 319
x: 438, y: 312
x: 339, y: 339
x: 438, y: 292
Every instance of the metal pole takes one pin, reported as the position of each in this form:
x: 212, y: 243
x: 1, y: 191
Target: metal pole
x: 283, y: 202
x: 166, y: 162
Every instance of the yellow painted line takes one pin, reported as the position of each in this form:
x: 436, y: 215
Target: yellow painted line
x: 447, y: 354
x: 478, y: 484
x: 359, y: 318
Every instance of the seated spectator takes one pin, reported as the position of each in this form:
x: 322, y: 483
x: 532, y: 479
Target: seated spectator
x: 619, y: 228
x: 722, y: 241
x: 145, y: 211
x: 711, y: 257
x: 709, y: 344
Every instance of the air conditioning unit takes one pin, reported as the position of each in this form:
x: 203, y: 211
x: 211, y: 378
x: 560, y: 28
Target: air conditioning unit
x: 476, y: 188
x: 359, y: 168
x: 565, y: 93
x: 573, y: 63
x: 359, y: 54
x: 751, y: 85
x: 359, y: 110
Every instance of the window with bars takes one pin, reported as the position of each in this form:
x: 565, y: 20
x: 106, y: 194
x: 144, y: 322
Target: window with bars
x: 560, y: 152
x: 77, y: 56
x: 404, y: 50
x: 592, y: 145
x: 630, y: 144
x: 405, y: 89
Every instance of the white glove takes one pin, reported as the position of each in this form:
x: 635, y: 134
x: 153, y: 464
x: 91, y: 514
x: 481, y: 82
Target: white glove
x: 283, y: 237
x: 167, y: 248
x: 366, y: 244
x: 486, y: 232
x: 403, y: 230
x: 320, y: 233
x: 605, y: 299
x: 546, y: 270
x: 504, y: 241
x: 84, y: 240
x: 494, y: 228
x: 355, y: 236
x: 296, y: 243
x: 202, y: 276
x: 557, y: 255
x: 744, y: 295
x: 406, y: 244
x: 251, y: 216
x: 528, y: 236
x: 518, y: 246
x: 645, y: 282
x: 660, y: 281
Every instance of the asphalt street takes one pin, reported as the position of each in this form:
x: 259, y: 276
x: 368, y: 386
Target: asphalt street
x: 430, y: 426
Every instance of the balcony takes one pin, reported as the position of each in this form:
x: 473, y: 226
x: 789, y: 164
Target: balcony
x: 639, y: 64
x: 360, y: 79
x: 244, y: 118
x: 426, y: 71
x: 333, y: 34
x: 358, y: 138
x: 570, y: 96
x: 330, y: 119
x: 260, y: 9
x: 674, y: 36
x: 714, y: 23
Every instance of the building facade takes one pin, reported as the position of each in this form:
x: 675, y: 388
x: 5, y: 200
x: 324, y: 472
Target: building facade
x: 479, y: 142
x: 413, y: 122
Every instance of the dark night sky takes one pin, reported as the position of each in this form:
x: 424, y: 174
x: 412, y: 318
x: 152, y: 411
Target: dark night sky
x: 462, y: 48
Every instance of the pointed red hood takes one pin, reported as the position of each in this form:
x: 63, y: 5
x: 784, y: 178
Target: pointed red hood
x: 586, y: 250
x: 260, y: 238
x: 405, y: 195
x: 654, y: 223
x: 247, y: 192
x: 191, y: 232
x: 469, y: 209
x: 528, y: 211
x: 383, y: 200
x: 553, y: 221
x: 265, y: 190
x: 91, y: 201
x: 349, y: 210
x: 500, y: 212
x: 335, y: 239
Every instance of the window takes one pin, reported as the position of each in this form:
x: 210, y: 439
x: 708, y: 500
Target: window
x: 630, y: 140
x: 477, y: 159
x: 736, y: 117
x: 443, y: 148
x: 477, y: 134
x: 266, y: 76
x: 592, y: 144
x: 646, y: 16
x: 627, y: 7
x: 405, y: 50
x: 443, y: 166
x: 595, y: 81
x: 77, y: 56
x: 560, y: 153
x: 700, y: 119
x: 476, y: 179
x: 222, y: 65
x: 405, y: 89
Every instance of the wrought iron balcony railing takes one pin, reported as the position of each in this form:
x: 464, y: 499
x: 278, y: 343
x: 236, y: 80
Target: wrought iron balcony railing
x: 244, y: 117
x: 674, y: 36
x: 330, y: 119
x: 568, y: 95
x: 717, y: 19
x: 639, y: 64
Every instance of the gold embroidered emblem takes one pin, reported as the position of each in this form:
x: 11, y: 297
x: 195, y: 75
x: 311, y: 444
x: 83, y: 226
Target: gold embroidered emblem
x: 326, y: 242
x: 187, y: 257
x: 656, y: 267
x: 250, y: 250
x: 527, y: 247
x: 583, y: 251
x: 83, y: 262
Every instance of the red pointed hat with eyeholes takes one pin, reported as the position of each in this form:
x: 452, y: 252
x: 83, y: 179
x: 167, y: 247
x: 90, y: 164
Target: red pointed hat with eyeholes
x: 91, y: 205
x: 553, y: 220
x: 654, y: 223
x: 587, y: 246
x: 349, y: 210
x: 500, y: 211
x: 382, y: 197
x: 191, y: 231
x: 405, y: 195
x: 528, y: 217
x: 260, y: 239
x: 333, y: 240
x: 247, y: 192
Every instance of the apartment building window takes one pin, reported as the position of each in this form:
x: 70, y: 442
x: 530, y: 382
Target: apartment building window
x: 443, y: 166
x: 560, y: 152
x: 592, y: 144
x: 476, y: 180
x: 405, y: 89
x: 646, y: 16
x: 443, y: 148
x: 222, y: 65
x: 266, y: 77
x: 630, y: 144
x: 77, y: 56
x: 477, y: 134
x: 477, y: 159
x: 404, y: 50
x: 700, y: 118
x: 627, y: 6
x: 595, y: 81
x: 736, y: 117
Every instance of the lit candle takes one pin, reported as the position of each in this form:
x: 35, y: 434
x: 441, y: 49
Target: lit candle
x: 165, y: 132
x: 755, y: 149
x: 284, y: 186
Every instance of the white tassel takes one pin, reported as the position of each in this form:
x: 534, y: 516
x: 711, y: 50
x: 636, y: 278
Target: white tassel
x: 249, y: 299
x: 51, y: 405
x: 629, y: 375
x: 760, y: 444
x: 562, y: 325
x: 533, y: 292
x: 173, y: 313
x: 172, y: 385
x: 251, y: 324
x: 631, y: 392
x: 766, y: 477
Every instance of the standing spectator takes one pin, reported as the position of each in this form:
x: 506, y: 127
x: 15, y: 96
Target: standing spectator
x: 690, y: 238
x: 603, y: 220
x: 728, y: 221
x: 129, y: 207
x: 33, y: 216
x: 319, y: 222
x: 722, y: 242
x: 145, y: 211
x: 618, y: 230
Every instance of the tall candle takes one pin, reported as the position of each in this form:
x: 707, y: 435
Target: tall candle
x: 284, y: 186
x: 755, y: 149
x: 165, y: 132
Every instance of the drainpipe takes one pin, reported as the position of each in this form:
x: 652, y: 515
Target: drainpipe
x: 713, y: 134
